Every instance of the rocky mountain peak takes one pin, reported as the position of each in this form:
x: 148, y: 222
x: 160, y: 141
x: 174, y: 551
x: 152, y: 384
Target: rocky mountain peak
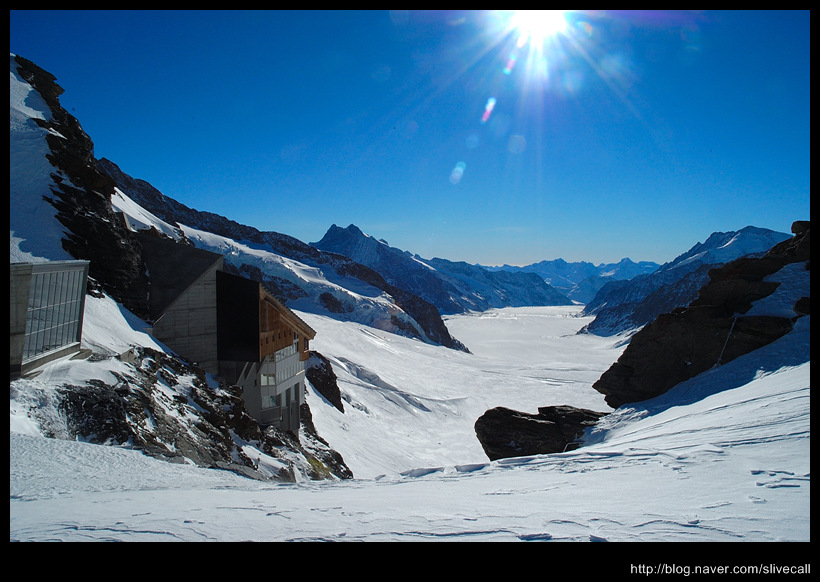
x: 715, y: 328
x: 624, y: 306
x: 451, y: 286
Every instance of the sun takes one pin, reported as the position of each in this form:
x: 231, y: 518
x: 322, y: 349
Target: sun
x: 537, y: 26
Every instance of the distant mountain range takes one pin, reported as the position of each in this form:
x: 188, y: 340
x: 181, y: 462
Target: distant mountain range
x: 622, y: 296
x: 630, y: 304
x: 581, y: 280
x: 453, y: 287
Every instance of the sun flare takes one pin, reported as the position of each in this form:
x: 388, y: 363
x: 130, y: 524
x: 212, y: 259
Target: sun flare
x: 537, y: 26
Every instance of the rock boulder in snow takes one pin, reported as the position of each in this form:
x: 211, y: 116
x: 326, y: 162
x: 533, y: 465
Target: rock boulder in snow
x: 321, y: 376
x: 507, y: 433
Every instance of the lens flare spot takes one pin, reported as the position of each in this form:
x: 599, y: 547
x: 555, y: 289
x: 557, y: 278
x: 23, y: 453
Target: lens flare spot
x: 488, y: 109
x: 508, y: 68
x: 457, y: 173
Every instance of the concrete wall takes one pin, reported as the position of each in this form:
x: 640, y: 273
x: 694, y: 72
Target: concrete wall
x: 188, y: 325
x: 215, y: 319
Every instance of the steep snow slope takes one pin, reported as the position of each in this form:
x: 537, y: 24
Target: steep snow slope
x: 731, y: 465
x: 34, y: 233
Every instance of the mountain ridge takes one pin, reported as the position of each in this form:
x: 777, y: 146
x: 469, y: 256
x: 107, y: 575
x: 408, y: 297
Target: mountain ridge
x: 580, y: 280
x: 621, y: 306
x: 453, y: 287
x: 278, y: 277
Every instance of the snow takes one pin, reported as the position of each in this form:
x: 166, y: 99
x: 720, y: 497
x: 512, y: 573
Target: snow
x: 34, y: 234
x: 746, y: 241
x: 723, y: 457
x: 521, y: 358
x: 138, y: 218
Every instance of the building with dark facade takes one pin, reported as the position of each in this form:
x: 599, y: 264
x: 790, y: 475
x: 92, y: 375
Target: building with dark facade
x: 230, y: 326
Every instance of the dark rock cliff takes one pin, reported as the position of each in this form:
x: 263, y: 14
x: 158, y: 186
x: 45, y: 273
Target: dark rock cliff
x: 712, y: 330
x: 82, y: 197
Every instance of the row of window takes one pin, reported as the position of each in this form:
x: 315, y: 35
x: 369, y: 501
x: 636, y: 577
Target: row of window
x: 270, y: 399
x: 276, y: 371
x: 54, y: 311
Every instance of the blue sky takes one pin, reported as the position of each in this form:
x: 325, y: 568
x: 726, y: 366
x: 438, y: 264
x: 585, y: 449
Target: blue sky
x: 622, y: 134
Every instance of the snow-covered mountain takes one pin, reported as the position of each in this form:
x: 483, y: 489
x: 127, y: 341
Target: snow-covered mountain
x: 453, y: 287
x: 297, y: 274
x: 722, y: 456
x: 580, y: 280
x: 125, y: 388
x: 625, y: 305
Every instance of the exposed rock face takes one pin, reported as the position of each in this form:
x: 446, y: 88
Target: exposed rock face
x: 628, y: 305
x: 507, y: 433
x: 139, y: 410
x: 711, y: 331
x: 325, y: 462
x: 82, y: 197
x: 320, y: 374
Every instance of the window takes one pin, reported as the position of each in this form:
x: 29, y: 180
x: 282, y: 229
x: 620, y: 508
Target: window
x: 55, y: 304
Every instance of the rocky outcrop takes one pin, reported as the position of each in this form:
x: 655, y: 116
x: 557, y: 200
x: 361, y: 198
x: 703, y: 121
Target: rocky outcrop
x: 321, y: 376
x: 325, y: 462
x: 192, y: 422
x: 621, y: 306
x: 712, y: 330
x: 508, y: 433
x: 82, y: 197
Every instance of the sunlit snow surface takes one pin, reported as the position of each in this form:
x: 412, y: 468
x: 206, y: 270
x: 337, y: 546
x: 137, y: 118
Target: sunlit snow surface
x: 724, y: 457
